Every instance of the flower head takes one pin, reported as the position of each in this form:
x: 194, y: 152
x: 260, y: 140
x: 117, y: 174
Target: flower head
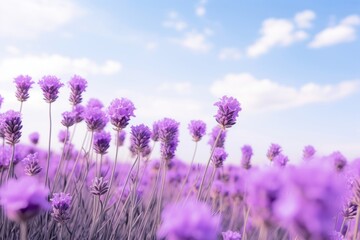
x: 120, y: 111
x: 102, y: 142
x: 63, y: 136
x: 50, y: 86
x: 94, y: 103
x: 12, y: 126
x: 169, y: 137
x: 95, y: 119
x: 197, y: 129
x: 280, y: 160
x: 230, y: 235
x: 308, y: 152
x: 214, y: 134
x: 228, y: 111
x: 274, y: 150
x: 155, y: 131
x: 247, y: 153
x: 218, y: 157
x: 34, y: 137
x: 23, y: 84
x: 78, y: 112
x: 61, y: 203
x: 139, y: 138
x: 177, y: 225
x: 68, y: 119
x: 32, y: 166
x: 99, y: 186
x: 23, y: 198
x: 77, y: 86
x: 339, y: 160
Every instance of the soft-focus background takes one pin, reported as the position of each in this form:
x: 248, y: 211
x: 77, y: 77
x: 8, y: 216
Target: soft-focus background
x: 293, y: 65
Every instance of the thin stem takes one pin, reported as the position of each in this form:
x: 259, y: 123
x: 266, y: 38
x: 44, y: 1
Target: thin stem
x: 357, y: 223
x: 11, y: 164
x: 208, y: 163
x: 49, y: 149
x: 245, y: 222
x: 21, y: 106
x: 23, y: 230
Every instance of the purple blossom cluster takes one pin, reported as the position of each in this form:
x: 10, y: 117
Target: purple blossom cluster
x: 84, y: 192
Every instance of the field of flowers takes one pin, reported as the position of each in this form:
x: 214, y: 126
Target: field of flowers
x: 84, y: 193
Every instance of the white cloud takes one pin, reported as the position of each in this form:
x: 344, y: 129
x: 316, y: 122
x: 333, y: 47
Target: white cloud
x: 195, y: 41
x: 344, y: 32
x: 200, y: 9
x: 177, y: 87
x: 304, y: 19
x: 265, y: 94
x: 12, y: 50
x: 39, y: 65
x: 275, y: 32
x: 32, y: 17
x: 229, y: 54
x: 173, y: 21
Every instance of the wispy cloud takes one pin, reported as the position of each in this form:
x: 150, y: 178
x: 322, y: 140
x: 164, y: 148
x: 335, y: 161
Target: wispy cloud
x: 280, y: 32
x: 38, y: 65
x: 230, y: 54
x: 200, y: 9
x: 174, y: 21
x: 177, y: 87
x: 195, y: 41
x: 265, y: 94
x: 343, y: 32
x: 28, y: 19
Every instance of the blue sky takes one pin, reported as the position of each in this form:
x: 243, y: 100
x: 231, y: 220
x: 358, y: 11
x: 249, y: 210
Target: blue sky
x: 293, y: 65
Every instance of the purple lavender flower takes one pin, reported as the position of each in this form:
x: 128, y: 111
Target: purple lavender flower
x: 280, y: 160
x: 228, y: 111
x: 155, y: 131
x: 230, y: 235
x: 120, y: 111
x: 308, y: 152
x: 5, y: 155
x: 78, y: 111
x: 102, y: 142
x: 339, y: 160
x: 197, y: 129
x: 32, y: 166
x: 68, y: 119
x: 63, y: 136
x: 61, y: 203
x: 2, y: 125
x: 94, y: 103
x: 169, y: 138
x: 213, y: 135
x: 23, y: 84
x: 308, y: 205
x: 23, y: 198
x: 50, y: 86
x: 34, y: 138
x: 177, y: 225
x: 247, y: 153
x: 218, y: 157
x: 139, y: 138
x: 95, y: 119
x: 99, y: 186
x: 274, y: 150
x: 12, y: 127
x: 121, y: 138
x: 77, y: 86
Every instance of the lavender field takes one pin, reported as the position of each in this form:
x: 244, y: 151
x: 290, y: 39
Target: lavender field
x: 87, y: 193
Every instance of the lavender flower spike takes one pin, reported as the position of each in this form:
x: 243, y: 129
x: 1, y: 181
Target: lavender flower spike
x: 308, y: 152
x: 12, y: 127
x: 155, y: 131
x: 228, y: 111
x: 120, y: 111
x: 121, y: 138
x: 68, y: 119
x: 32, y: 166
x: 77, y: 86
x: 23, y: 198
x: 197, y: 129
x: 99, y: 186
x: 169, y: 138
x: 95, y: 119
x: 177, y: 224
x: 140, y: 138
x: 61, y: 203
x: 218, y: 157
x: 230, y: 235
x: 102, y: 142
x: 23, y: 84
x: 247, y: 153
x: 273, y: 151
x: 213, y: 135
x: 34, y: 138
x: 50, y: 86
